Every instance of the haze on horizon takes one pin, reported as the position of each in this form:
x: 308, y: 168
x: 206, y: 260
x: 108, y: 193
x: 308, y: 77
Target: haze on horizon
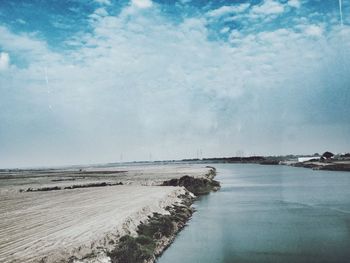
x: 105, y: 80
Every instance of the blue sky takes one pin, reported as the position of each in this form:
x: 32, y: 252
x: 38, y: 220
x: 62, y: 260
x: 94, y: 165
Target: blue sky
x: 91, y: 81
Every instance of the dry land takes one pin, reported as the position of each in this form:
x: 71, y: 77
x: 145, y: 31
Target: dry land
x: 331, y: 165
x: 80, y: 214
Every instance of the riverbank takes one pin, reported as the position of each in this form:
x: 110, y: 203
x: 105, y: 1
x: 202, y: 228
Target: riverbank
x: 158, y: 232
x: 68, y: 223
x: 197, y: 186
x: 155, y: 235
x: 327, y: 166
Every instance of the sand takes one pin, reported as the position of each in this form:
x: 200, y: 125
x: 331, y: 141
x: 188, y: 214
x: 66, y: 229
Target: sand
x: 137, y: 174
x: 55, y: 225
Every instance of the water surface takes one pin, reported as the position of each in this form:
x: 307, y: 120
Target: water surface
x: 269, y: 214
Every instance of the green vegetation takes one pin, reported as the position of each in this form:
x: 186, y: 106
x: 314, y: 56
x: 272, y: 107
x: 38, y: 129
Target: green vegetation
x: 143, y: 247
x: 198, y: 186
x: 159, y: 230
x: 212, y: 172
x: 55, y: 188
x: 133, y: 250
x: 158, y: 226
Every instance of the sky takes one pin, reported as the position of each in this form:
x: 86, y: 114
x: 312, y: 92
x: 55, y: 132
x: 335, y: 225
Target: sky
x: 96, y: 81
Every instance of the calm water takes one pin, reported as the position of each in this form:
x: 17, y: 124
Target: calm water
x: 269, y: 214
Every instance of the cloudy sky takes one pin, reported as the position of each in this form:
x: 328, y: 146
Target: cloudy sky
x: 93, y: 81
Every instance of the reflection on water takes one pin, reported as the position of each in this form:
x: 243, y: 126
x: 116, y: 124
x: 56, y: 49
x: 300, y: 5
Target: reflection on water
x: 269, y: 214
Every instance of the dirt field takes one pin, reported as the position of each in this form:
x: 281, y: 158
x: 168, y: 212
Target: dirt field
x: 138, y: 174
x: 60, y: 223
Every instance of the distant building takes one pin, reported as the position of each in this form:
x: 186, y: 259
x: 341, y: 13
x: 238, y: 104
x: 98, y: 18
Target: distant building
x: 327, y: 156
x: 345, y: 155
x: 308, y: 158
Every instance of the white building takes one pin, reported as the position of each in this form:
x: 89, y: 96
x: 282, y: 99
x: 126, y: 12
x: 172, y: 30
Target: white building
x: 308, y: 158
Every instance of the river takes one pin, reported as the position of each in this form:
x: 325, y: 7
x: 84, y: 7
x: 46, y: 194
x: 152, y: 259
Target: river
x: 268, y: 214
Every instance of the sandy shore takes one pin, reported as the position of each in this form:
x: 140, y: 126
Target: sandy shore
x: 53, y: 226
x: 328, y: 166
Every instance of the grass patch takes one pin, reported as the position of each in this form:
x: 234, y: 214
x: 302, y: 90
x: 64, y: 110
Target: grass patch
x: 158, y: 226
x: 198, y: 186
x: 142, y: 248
x: 133, y: 250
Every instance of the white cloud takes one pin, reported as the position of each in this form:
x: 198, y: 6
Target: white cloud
x: 294, y: 3
x: 103, y: 2
x: 269, y: 7
x: 143, y: 84
x: 4, y: 61
x: 21, y: 21
x: 99, y: 12
x: 313, y: 30
x: 142, y: 3
x: 25, y: 45
x: 225, y: 30
x: 227, y: 10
